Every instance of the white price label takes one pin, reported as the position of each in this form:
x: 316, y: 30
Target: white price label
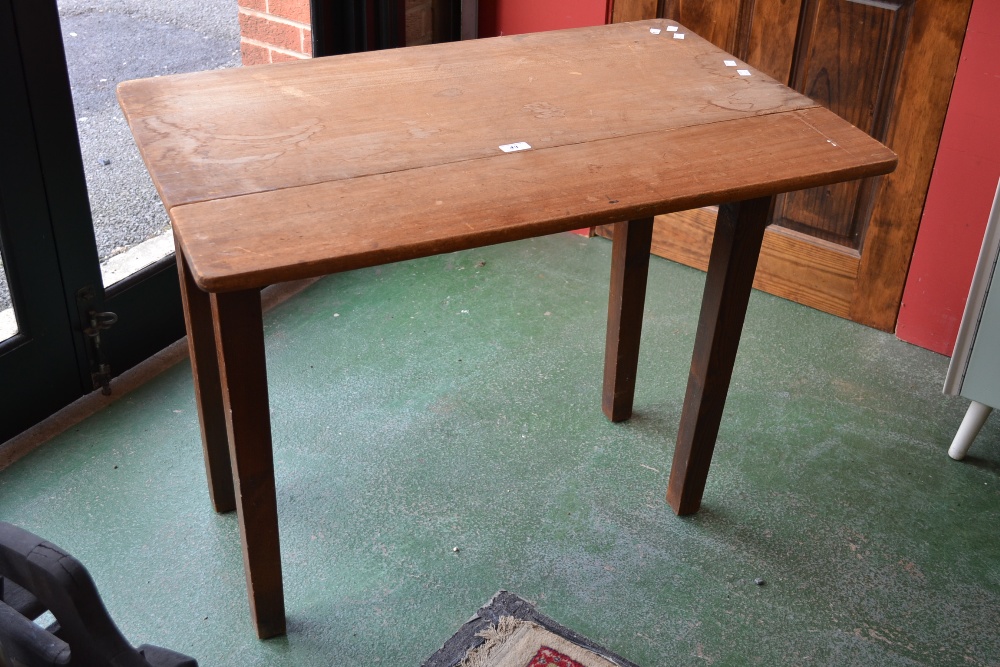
x: 513, y: 148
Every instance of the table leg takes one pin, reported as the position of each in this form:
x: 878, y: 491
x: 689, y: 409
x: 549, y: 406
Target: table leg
x: 629, y: 268
x: 207, y: 389
x: 739, y: 232
x: 239, y: 338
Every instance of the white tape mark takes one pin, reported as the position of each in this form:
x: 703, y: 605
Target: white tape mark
x: 729, y: 63
x: 743, y: 72
x: 671, y: 28
x: 519, y: 146
x: 831, y: 142
x: 678, y: 35
x: 655, y: 31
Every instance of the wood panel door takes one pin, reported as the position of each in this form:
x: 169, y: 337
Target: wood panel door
x: 887, y: 66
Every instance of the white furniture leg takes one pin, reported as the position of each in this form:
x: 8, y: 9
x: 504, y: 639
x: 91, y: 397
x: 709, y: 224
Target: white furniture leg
x: 967, y: 432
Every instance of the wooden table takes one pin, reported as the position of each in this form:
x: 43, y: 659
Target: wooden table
x: 302, y: 169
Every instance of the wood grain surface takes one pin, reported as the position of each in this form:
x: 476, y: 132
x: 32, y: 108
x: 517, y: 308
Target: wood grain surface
x: 301, y: 169
x: 237, y: 131
x: 931, y: 58
x: 633, y: 10
x: 252, y: 240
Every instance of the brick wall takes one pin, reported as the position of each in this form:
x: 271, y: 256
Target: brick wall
x: 275, y: 30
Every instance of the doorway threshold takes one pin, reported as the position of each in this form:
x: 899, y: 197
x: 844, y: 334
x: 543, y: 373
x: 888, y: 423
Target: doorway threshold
x: 85, y: 406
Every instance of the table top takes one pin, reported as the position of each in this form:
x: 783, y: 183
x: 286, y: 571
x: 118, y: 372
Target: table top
x: 292, y: 170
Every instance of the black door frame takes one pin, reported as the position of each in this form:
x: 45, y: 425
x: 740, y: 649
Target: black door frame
x: 48, y: 242
x: 39, y: 363
x: 350, y: 26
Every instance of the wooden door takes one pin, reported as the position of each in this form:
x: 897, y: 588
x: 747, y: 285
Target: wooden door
x: 887, y: 66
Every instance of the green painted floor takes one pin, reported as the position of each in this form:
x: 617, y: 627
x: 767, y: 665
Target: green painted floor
x: 455, y: 402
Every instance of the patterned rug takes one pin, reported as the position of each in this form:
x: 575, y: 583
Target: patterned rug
x: 510, y: 632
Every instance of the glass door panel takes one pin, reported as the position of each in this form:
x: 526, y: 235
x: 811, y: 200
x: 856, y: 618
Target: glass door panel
x: 8, y: 321
x: 107, y: 43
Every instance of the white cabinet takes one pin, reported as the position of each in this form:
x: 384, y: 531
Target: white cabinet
x: 975, y: 365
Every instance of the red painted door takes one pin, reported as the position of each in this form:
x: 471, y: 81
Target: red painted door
x: 960, y: 195
x: 514, y: 17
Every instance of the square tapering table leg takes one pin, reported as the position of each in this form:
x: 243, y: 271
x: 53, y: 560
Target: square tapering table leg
x: 629, y: 269
x: 207, y: 389
x: 739, y: 233
x: 239, y: 339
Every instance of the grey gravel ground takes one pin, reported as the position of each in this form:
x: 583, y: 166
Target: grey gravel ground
x: 108, y: 41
